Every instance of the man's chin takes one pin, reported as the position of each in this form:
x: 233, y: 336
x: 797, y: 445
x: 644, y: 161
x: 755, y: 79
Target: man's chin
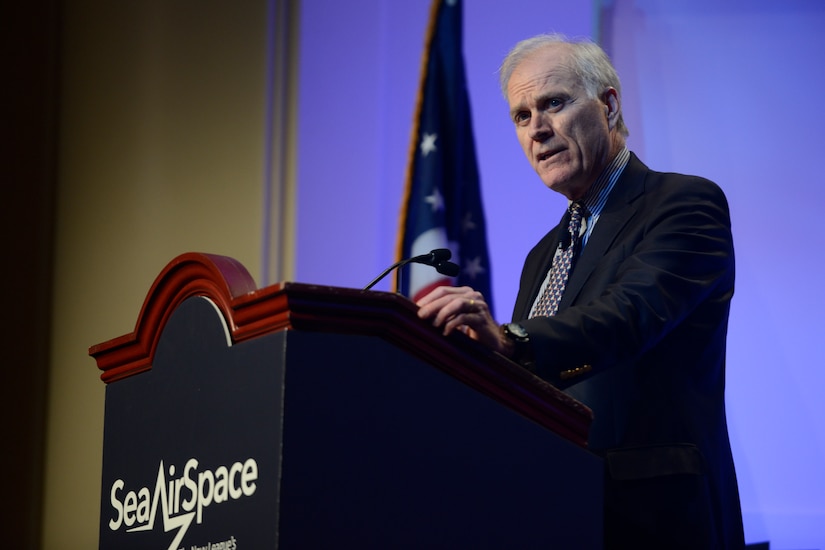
x: 565, y: 186
x: 555, y: 180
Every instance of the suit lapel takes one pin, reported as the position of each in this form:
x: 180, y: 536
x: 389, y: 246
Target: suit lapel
x: 616, y: 213
x: 538, y: 271
x: 546, y: 258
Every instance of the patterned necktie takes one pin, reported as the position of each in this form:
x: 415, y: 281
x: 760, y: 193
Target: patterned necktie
x: 560, y: 271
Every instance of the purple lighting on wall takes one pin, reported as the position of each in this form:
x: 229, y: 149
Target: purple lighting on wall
x: 726, y: 90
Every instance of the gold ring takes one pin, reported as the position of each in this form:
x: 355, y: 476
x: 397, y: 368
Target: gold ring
x: 472, y: 303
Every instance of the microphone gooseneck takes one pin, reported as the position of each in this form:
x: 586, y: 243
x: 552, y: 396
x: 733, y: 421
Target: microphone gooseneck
x: 437, y: 258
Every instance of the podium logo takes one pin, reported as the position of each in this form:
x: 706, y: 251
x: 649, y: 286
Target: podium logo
x: 182, y: 499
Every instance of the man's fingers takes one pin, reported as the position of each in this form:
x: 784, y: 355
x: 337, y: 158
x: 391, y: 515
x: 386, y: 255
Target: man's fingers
x: 439, y: 298
x: 442, y: 291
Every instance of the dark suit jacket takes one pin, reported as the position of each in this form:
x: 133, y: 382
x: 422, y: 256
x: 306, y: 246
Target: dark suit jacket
x: 640, y: 339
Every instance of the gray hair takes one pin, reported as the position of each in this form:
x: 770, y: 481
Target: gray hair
x: 590, y: 62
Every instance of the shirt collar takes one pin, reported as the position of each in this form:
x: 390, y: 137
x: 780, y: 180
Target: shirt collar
x: 596, y: 197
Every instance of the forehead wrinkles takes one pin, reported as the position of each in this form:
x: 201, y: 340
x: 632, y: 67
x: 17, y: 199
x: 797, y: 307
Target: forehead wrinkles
x: 524, y: 83
x: 526, y: 88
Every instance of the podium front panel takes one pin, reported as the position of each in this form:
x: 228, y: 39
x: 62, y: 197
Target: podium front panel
x: 192, y: 447
x: 310, y: 439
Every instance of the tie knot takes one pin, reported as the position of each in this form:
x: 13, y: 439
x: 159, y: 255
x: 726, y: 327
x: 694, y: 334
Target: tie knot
x: 576, y: 209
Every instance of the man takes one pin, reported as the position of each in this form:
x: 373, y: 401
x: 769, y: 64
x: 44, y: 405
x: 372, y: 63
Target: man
x: 639, y: 332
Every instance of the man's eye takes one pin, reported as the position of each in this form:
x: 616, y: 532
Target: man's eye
x: 555, y: 103
x: 521, y: 117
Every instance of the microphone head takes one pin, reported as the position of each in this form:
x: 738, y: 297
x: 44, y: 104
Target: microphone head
x: 448, y: 268
x: 440, y: 255
x: 433, y: 258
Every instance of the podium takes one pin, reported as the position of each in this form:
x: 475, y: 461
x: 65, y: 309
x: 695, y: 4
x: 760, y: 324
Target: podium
x: 305, y: 416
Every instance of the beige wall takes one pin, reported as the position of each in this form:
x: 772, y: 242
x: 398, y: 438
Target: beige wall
x: 161, y: 152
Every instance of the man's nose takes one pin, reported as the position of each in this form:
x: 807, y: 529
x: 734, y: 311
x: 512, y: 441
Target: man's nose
x: 540, y: 128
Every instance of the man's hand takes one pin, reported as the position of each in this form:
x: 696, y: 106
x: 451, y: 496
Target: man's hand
x: 463, y: 309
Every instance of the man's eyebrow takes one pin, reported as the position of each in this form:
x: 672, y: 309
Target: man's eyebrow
x: 516, y: 109
x: 560, y: 93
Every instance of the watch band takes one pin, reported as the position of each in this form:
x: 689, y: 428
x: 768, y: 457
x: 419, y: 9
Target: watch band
x: 522, y: 347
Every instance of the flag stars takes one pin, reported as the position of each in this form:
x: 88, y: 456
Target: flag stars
x: 467, y: 223
x: 473, y: 268
x: 428, y: 143
x: 435, y: 200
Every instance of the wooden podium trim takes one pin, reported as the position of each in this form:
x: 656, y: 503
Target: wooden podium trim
x: 250, y: 312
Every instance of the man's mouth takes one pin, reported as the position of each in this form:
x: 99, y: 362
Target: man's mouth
x: 545, y: 155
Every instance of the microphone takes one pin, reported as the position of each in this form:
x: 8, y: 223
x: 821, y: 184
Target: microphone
x: 433, y: 258
x: 448, y: 268
x: 438, y: 258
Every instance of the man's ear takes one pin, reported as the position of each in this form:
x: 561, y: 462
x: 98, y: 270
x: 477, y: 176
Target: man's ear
x: 612, y: 107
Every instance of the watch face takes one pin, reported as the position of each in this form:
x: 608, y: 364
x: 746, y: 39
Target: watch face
x: 517, y: 331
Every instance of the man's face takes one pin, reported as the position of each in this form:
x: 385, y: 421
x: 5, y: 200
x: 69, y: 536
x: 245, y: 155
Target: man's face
x: 564, y: 133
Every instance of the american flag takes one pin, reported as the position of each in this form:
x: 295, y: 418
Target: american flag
x: 442, y: 201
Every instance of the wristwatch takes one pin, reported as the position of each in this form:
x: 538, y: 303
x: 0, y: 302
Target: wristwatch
x: 522, y: 349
